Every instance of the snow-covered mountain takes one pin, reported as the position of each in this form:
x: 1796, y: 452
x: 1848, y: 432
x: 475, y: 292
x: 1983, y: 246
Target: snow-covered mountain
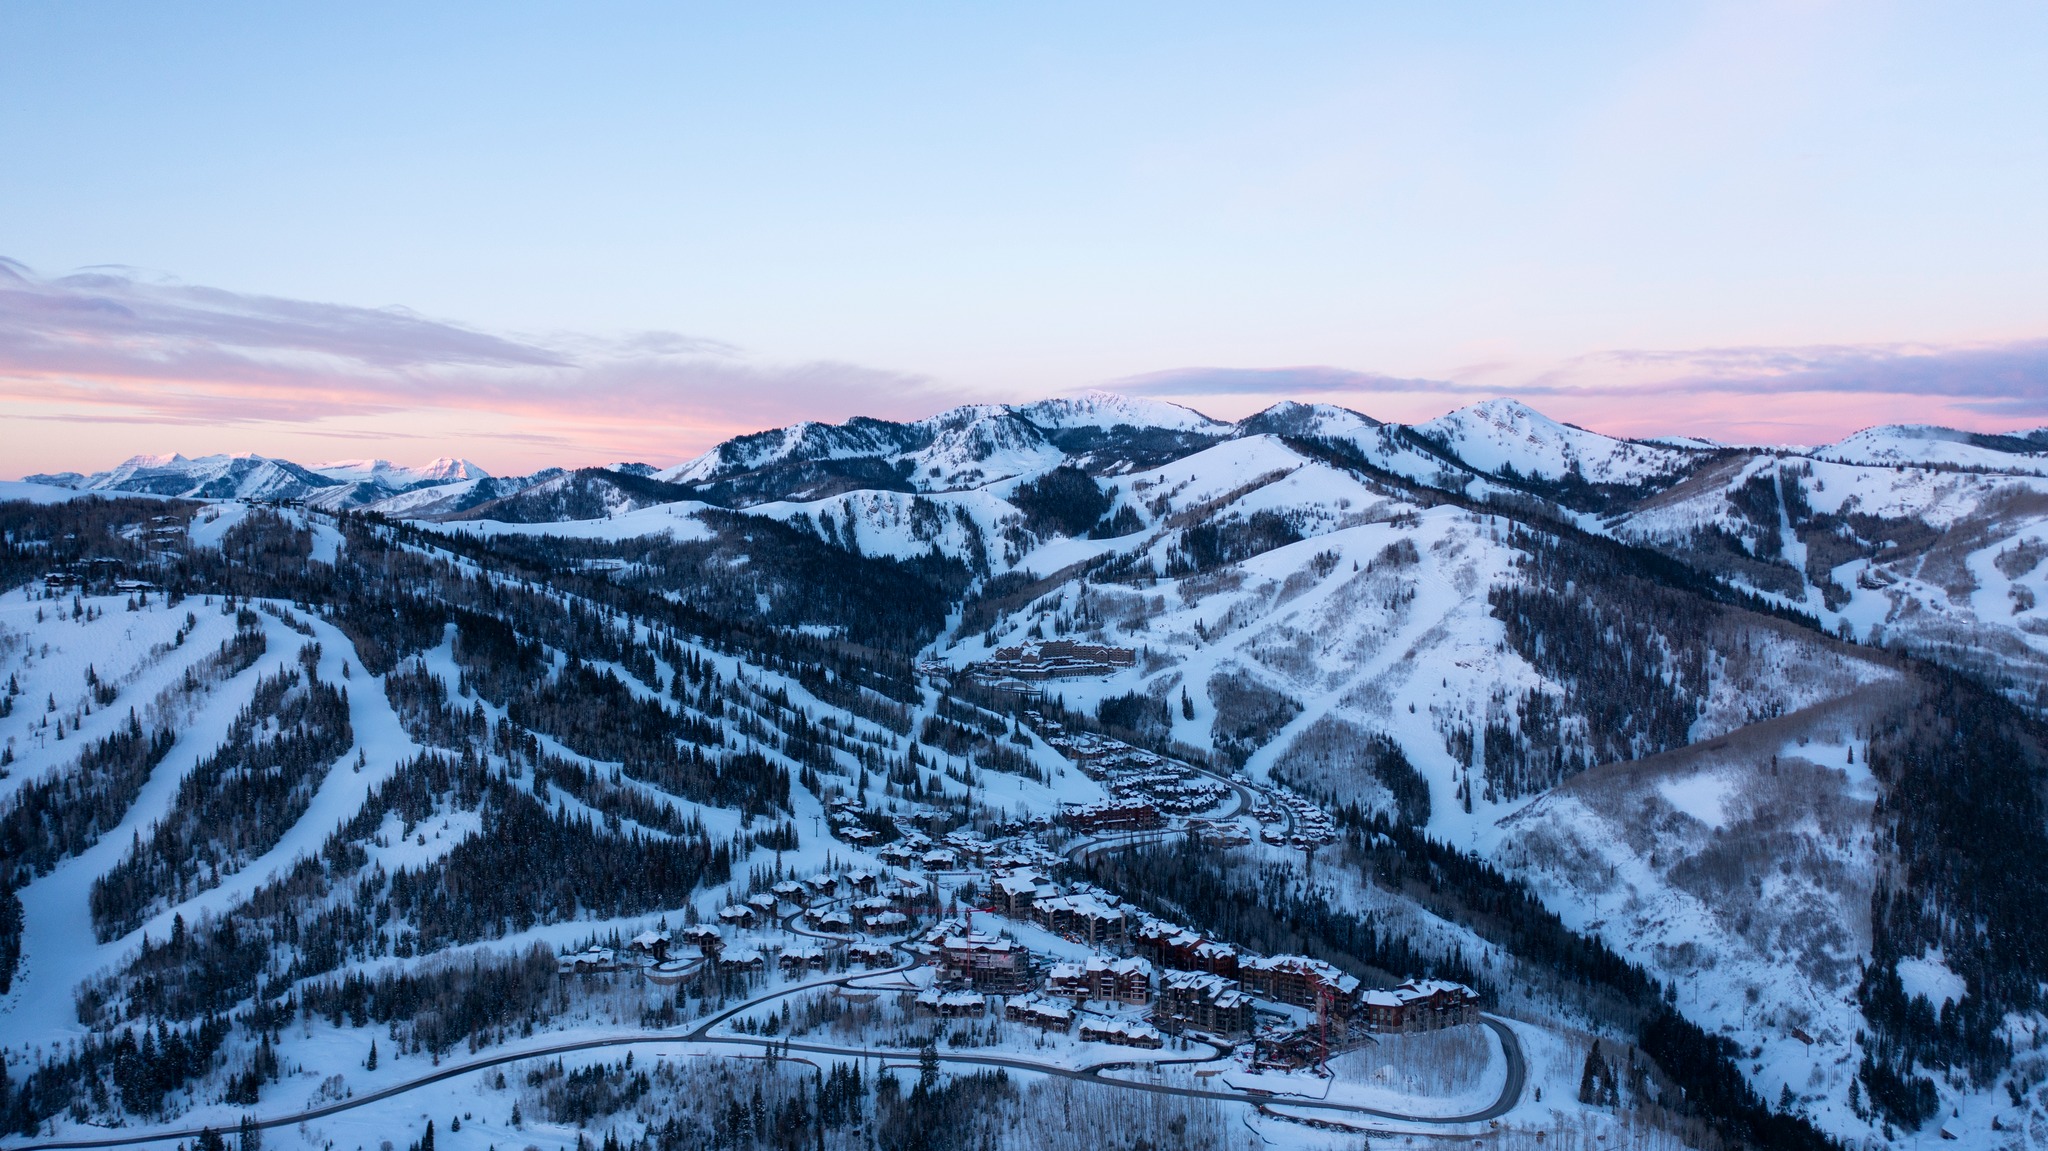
x: 1752, y: 736
x: 384, y: 473
x: 344, y: 484
x: 1922, y: 445
x: 1510, y: 439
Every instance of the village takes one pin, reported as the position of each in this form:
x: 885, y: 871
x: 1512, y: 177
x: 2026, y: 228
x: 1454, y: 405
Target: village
x: 978, y: 929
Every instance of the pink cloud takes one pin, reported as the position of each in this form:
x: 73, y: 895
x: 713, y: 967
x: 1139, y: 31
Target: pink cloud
x: 110, y: 350
x: 1805, y: 394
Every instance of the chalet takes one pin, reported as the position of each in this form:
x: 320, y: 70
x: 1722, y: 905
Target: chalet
x: 838, y: 922
x: 738, y: 915
x: 969, y: 847
x: 585, y: 962
x: 872, y: 905
x: 1199, y: 1001
x: 1037, y: 1012
x: 652, y: 944
x: 953, y: 1004
x: 887, y: 922
x: 823, y: 886
x: 748, y: 960
x: 763, y: 904
x: 907, y: 893
x: 939, y: 859
x: 705, y: 938
x: 863, y: 881
x: 897, y: 855
x: 1214, y: 958
x: 790, y: 891
x: 797, y: 960
x: 1123, y: 1033
x: 870, y: 955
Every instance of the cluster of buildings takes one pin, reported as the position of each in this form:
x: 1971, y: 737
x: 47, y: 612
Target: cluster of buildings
x: 1054, y: 659
x: 1112, y: 815
x: 1181, y: 980
x: 957, y: 850
x: 848, y: 825
x: 1311, y: 825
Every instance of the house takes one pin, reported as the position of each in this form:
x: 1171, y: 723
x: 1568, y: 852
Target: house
x: 939, y: 859
x: 1123, y: 1033
x: 763, y: 905
x: 790, y: 891
x: 897, y: 855
x: 653, y: 944
x: 585, y: 962
x: 969, y: 847
x: 887, y: 922
x: 823, y: 886
x: 738, y: 915
x: 838, y: 922
x: 953, y: 1004
x: 705, y: 938
x: 797, y: 960
x: 863, y: 881
x: 1200, y: 1001
x: 870, y: 955
x: 984, y: 963
x: 748, y: 960
x: 872, y: 905
x: 1038, y: 1012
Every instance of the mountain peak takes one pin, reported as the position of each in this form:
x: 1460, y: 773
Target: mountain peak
x: 1104, y: 409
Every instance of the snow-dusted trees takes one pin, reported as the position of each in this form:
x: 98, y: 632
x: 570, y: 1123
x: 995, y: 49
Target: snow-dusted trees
x: 235, y: 804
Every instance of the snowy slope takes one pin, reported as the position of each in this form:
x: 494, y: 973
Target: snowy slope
x: 1922, y: 445
x: 1099, y: 409
x: 1503, y: 437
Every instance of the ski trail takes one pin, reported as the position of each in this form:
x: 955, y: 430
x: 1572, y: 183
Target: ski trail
x: 58, y: 945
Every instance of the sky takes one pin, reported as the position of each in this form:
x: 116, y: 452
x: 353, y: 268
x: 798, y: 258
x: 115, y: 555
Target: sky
x: 563, y: 234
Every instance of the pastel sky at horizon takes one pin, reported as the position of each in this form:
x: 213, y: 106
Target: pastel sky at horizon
x: 550, y: 234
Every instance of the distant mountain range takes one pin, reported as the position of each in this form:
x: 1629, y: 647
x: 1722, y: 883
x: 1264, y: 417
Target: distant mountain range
x: 977, y: 445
